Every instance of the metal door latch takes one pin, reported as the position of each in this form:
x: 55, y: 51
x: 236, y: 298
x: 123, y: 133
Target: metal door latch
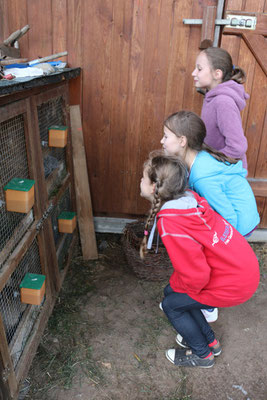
x: 241, y: 21
x: 232, y: 21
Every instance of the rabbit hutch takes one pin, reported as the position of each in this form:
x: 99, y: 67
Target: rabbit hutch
x: 129, y: 66
x: 37, y: 230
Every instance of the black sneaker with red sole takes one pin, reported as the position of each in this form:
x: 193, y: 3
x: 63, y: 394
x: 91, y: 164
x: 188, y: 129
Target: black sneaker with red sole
x: 216, y: 350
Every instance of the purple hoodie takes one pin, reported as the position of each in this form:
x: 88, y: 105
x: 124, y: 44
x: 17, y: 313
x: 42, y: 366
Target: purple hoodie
x: 221, y: 114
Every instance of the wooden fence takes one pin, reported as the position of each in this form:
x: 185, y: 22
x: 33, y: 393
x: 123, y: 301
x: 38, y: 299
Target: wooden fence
x: 137, y: 57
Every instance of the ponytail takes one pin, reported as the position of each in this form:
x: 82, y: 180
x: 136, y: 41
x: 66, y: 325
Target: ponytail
x: 218, y: 155
x: 239, y: 75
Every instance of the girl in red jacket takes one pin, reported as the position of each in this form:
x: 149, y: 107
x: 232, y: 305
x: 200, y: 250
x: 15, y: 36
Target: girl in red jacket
x: 213, y: 264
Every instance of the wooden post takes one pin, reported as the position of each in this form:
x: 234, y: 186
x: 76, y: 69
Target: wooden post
x: 258, y: 46
x: 8, y: 378
x: 82, y: 189
x: 208, y: 24
x: 4, y: 392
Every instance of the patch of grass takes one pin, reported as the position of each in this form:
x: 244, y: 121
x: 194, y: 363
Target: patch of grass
x: 60, y: 369
x: 145, y: 389
x: 182, y: 392
x: 65, y: 316
x: 63, y: 353
x: 178, y: 394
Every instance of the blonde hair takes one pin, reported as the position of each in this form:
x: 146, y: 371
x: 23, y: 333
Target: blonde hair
x: 169, y: 173
x: 190, y: 125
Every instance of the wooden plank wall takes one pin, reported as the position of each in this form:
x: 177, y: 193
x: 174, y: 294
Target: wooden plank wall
x: 254, y: 116
x: 137, y: 58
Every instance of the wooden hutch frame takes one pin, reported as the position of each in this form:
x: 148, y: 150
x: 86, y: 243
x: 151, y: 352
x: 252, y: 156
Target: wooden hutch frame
x: 37, y: 226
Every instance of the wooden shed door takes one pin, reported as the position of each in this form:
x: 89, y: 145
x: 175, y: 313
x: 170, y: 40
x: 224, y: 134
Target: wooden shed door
x: 249, y: 51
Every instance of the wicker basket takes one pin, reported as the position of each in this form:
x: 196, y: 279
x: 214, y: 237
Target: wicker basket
x: 155, y: 266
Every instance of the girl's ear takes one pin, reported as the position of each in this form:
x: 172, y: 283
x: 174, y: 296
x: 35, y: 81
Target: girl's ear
x: 183, y: 141
x: 218, y: 74
x: 153, y: 188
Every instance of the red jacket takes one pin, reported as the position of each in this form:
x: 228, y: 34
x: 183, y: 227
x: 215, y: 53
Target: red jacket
x: 212, y: 261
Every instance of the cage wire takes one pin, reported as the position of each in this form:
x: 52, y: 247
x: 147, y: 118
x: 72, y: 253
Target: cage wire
x: 54, y: 159
x: 11, y: 308
x: 13, y: 164
x: 64, y: 204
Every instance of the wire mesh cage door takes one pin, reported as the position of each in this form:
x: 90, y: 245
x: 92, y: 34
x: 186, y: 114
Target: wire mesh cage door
x: 63, y: 241
x: 13, y: 311
x: 19, y: 319
x: 52, y: 113
x: 17, y: 230
x: 15, y: 162
x: 53, y: 110
x: 22, y: 249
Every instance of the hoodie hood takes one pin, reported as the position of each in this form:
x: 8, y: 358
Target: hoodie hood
x: 231, y: 89
x: 183, y: 203
x: 193, y: 212
x: 206, y: 166
x: 186, y: 202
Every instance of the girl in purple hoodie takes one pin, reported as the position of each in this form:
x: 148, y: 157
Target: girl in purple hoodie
x: 225, y: 98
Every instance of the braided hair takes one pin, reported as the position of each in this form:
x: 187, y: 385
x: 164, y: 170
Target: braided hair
x: 169, y: 173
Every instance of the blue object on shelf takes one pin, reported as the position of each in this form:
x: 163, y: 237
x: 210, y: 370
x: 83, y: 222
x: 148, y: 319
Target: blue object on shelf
x: 53, y: 63
x: 16, y: 66
x: 26, y: 65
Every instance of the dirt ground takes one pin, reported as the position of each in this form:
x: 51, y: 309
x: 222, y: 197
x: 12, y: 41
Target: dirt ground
x: 107, y: 337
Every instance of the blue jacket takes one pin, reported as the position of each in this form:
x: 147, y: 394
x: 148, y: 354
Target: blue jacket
x: 226, y: 189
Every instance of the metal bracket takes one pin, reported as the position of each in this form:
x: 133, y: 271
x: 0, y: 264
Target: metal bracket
x: 200, y: 21
x: 233, y: 21
x: 217, y: 28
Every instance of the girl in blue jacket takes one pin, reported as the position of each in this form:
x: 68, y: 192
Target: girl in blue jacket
x: 218, y: 178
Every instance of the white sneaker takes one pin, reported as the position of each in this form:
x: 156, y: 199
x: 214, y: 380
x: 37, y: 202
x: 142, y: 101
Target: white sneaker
x: 211, y: 314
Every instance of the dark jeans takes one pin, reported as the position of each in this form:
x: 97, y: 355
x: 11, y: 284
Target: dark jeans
x: 184, y: 314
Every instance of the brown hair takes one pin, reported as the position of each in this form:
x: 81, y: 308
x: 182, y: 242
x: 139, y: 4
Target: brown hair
x: 188, y: 124
x: 169, y: 173
x: 221, y: 59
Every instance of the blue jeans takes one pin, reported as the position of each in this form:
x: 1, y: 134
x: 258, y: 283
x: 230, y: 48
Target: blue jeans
x: 185, y: 316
